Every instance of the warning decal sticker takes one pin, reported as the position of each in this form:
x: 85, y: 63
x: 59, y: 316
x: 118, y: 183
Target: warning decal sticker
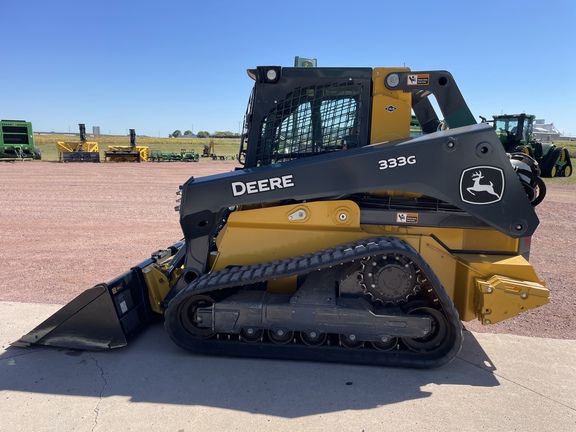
x: 407, y: 217
x: 418, y: 79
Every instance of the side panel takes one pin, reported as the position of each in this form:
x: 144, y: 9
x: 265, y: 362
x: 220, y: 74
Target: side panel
x: 275, y: 233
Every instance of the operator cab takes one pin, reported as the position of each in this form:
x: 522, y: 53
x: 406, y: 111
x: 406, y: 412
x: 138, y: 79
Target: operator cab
x: 513, y: 130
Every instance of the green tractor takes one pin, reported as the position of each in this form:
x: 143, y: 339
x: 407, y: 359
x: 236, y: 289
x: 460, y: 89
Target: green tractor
x: 516, y: 134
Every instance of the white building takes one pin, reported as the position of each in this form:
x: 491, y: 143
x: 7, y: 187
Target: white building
x: 545, y: 132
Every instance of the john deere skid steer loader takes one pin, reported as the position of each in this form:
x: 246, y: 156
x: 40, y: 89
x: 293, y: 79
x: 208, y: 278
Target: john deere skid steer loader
x: 342, y: 239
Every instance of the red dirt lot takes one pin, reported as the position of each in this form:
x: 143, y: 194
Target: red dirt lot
x: 67, y: 227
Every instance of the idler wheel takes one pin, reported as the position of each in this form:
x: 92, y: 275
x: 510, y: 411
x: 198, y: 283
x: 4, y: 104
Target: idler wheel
x: 191, y: 321
x: 438, y: 333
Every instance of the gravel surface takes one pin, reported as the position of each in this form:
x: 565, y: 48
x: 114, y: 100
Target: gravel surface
x: 67, y: 227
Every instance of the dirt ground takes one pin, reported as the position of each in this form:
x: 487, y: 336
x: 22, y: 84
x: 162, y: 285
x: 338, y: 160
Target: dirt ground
x: 67, y: 227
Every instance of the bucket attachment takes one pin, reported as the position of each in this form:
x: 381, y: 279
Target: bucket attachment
x: 103, y: 317
x: 87, y: 322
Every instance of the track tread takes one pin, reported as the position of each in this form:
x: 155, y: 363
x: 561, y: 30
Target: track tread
x: 232, y: 277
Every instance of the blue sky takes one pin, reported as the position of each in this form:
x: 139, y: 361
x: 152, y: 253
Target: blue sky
x: 158, y: 66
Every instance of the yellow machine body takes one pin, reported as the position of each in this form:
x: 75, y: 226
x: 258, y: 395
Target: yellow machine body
x: 491, y: 286
x: 67, y: 147
x: 127, y: 154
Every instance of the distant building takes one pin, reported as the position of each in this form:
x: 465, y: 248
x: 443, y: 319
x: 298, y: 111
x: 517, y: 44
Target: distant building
x: 545, y: 132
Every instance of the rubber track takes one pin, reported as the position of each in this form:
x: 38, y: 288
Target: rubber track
x: 231, y: 277
x: 549, y: 162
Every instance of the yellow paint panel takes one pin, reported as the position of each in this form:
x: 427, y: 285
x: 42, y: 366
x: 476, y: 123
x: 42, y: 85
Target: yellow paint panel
x: 500, y: 298
x: 391, y: 109
x: 472, y: 267
x: 267, y: 234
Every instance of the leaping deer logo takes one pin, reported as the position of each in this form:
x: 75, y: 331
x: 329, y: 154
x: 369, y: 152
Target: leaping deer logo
x: 478, y: 187
x: 482, y: 185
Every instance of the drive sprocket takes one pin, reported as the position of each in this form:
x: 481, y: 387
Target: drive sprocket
x: 388, y: 278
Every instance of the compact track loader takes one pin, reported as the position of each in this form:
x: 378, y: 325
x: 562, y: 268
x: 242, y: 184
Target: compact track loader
x: 342, y: 239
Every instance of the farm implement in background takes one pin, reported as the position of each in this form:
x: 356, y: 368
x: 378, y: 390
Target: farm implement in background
x: 78, y: 151
x: 516, y: 133
x: 131, y: 153
x: 183, y: 156
x: 17, y: 141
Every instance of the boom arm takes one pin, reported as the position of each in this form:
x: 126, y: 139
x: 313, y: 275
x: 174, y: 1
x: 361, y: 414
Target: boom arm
x: 440, y: 83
